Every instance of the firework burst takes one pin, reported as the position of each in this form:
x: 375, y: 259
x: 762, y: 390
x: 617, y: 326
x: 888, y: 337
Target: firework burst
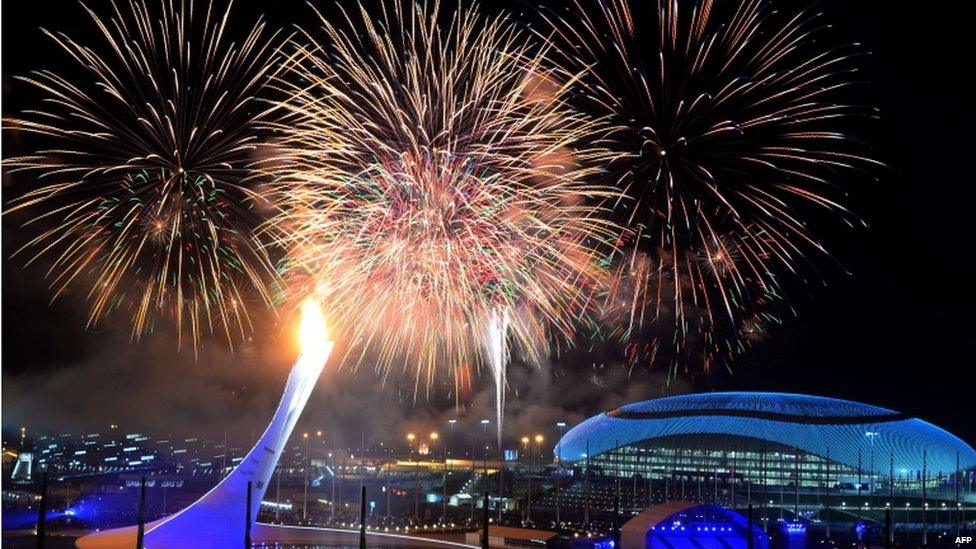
x: 727, y: 132
x: 428, y: 190
x: 144, y: 185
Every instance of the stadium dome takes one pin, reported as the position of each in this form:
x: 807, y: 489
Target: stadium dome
x: 842, y: 430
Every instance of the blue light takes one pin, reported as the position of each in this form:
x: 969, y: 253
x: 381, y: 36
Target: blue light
x: 602, y: 543
x: 794, y: 528
x: 705, y: 526
x: 21, y: 520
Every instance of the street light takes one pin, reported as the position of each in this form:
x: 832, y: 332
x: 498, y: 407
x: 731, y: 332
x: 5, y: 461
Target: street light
x: 434, y: 436
x: 484, y: 425
x: 305, y: 494
x: 871, y: 436
x: 333, y: 469
x: 528, y: 477
x: 538, y: 446
x: 447, y: 443
x: 416, y: 501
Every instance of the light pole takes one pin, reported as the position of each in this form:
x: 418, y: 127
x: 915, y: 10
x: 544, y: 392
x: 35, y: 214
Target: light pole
x: 528, y: 506
x: 796, y: 484
x: 362, y: 460
x: 827, y: 499
x: 474, y: 455
x: 416, y: 501
x: 586, y: 486
x: 389, y: 467
x: 321, y: 436
x: 277, y: 496
x: 447, y: 457
x: 559, y: 465
x: 332, y: 502
x: 925, y: 503
x: 305, y: 494
x: 484, y: 426
x: 434, y: 437
x: 501, y: 481
x: 340, y: 492
x: 859, y: 481
x: 871, y: 436
x: 526, y: 442
x: 891, y: 490
x: 223, y: 458
x: 958, y: 480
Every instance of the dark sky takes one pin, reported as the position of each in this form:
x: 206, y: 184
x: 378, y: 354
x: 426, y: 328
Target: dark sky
x: 895, y: 332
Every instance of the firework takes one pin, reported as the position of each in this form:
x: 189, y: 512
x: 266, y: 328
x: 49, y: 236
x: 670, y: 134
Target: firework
x: 143, y: 182
x: 429, y: 192
x: 727, y: 132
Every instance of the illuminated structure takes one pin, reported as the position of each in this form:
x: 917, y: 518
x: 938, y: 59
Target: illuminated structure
x: 743, y: 440
x: 685, y: 524
x: 22, y: 469
x: 217, y: 519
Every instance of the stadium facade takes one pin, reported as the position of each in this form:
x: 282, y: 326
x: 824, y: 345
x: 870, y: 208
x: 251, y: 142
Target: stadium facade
x: 748, y: 440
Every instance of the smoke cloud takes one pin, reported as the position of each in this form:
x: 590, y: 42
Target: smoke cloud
x: 150, y: 387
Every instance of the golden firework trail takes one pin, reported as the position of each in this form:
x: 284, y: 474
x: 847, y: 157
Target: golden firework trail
x: 429, y: 188
x: 141, y: 190
x: 727, y: 125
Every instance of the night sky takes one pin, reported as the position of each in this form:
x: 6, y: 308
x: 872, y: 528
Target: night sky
x: 896, y: 331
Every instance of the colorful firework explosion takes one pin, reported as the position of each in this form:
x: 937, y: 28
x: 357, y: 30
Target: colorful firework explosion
x: 428, y: 190
x: 143, y: 178
x: 727, y: 132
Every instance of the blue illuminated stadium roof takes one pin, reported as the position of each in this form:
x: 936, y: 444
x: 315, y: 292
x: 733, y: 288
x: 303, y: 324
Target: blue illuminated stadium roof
x: 781, y: 403
x: 813, y: 424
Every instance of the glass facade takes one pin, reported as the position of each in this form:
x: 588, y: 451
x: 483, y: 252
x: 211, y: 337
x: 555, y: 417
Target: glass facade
x: 727, y: 459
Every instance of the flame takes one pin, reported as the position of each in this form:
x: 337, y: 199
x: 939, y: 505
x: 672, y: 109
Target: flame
x: 313, y: 334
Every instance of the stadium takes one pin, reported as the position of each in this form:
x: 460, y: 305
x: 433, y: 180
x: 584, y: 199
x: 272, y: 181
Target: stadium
x: 794, y: 457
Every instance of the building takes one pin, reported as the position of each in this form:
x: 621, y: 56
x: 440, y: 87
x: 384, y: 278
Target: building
x: 728, y: 445
x: 22, y: 468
